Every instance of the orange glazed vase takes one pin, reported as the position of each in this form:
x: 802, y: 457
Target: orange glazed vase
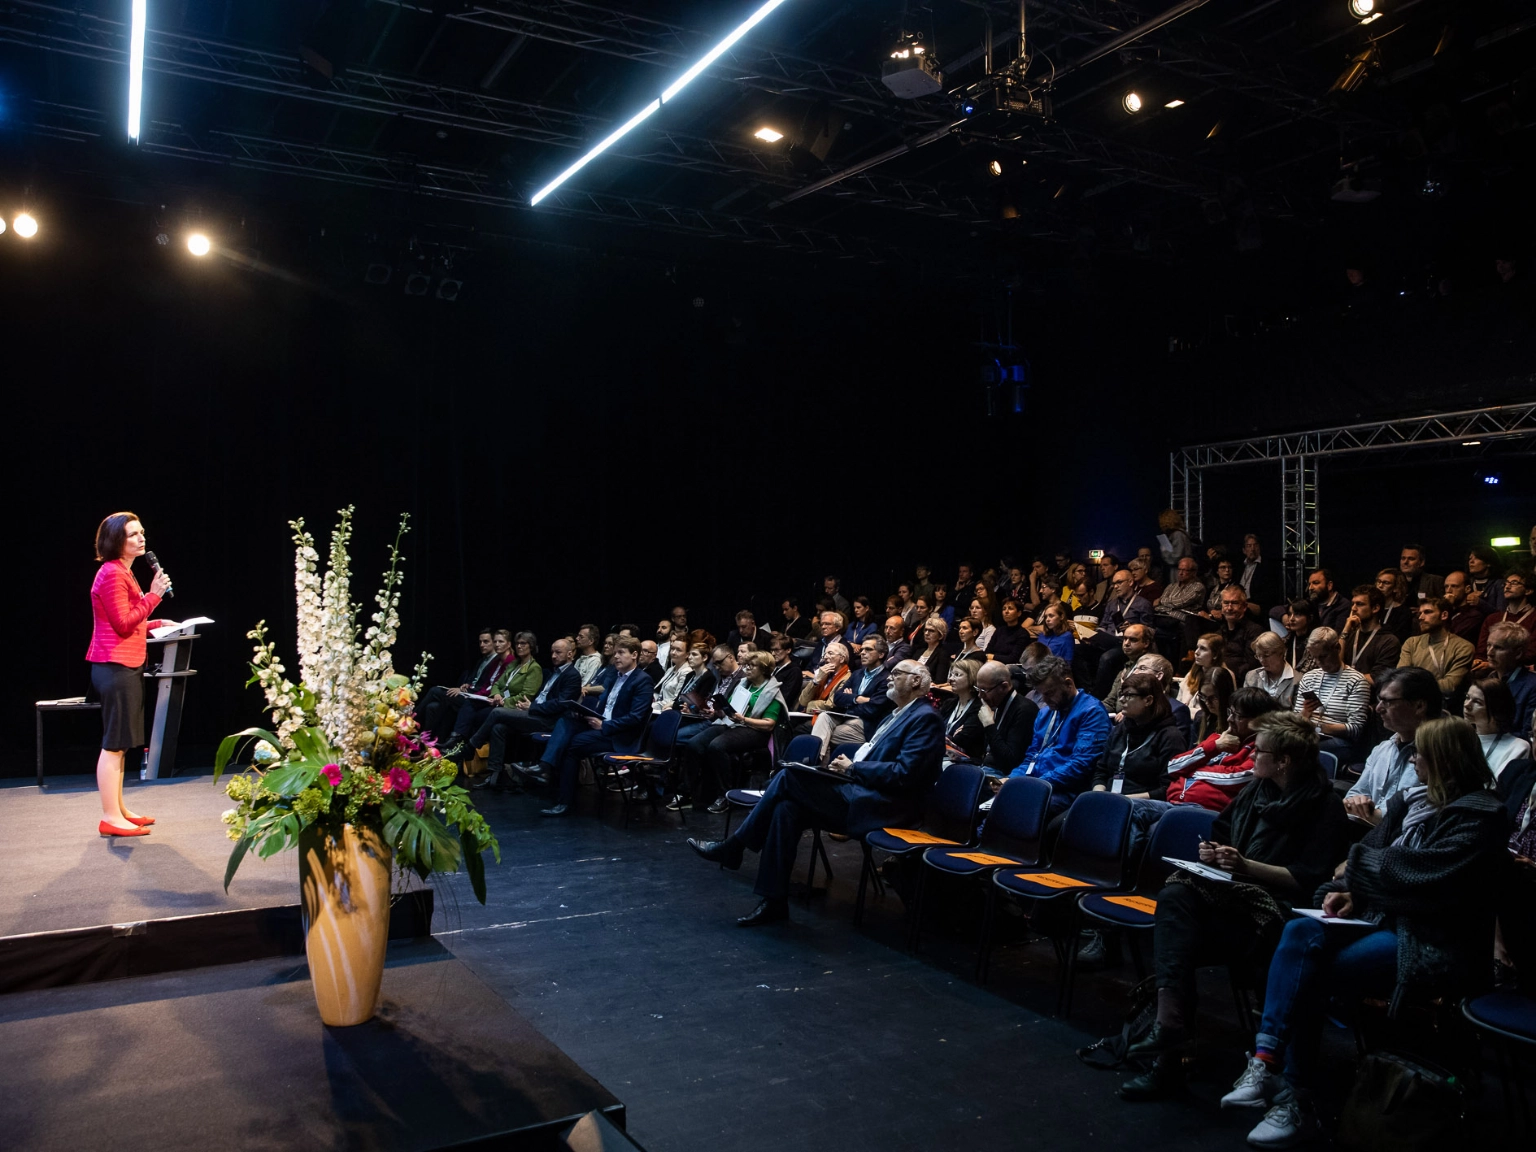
x: 344, y: 882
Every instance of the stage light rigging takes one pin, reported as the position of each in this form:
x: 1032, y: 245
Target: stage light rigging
x: 669, y: 93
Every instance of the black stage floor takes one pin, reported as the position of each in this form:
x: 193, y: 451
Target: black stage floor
x: 619, y: 946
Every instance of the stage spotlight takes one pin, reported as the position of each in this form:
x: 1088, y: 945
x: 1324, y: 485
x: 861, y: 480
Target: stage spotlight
x: 1131, y: 102
x: 1174, y: 103
x: 25, y: 225
x: 198, y: 244
x: 996, y: 167
x: 2, y: 225
x: 768, y: 135
x: 1360, y: 9
x: 449, y: 290
x: 417, y: 283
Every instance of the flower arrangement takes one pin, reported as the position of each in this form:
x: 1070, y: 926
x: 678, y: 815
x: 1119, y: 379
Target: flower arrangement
x: 346, y: 748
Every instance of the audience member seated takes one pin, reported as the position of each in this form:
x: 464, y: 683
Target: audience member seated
x: 1161, y: 669
x: 1490, y: 709
x: 1108, y: 565
x: 523, y: 717
x: 1137, y: 640
x: 1142, y: 580
x: 672, y: 681
x: 859, y: 703
x: 1011, y: 727
x: 866, y: 622
x: 747, y: 632
x: 831, y: 588
x: 816, y: 696
x: 753, y: 710
x: 1437, y: 649
x: 987, y: 614
x: 931, y: 653
x: 588, y: 660
x: 1217, y: 687
x: 1238, y: 632
x: 1507, y: 645
x: 1334, y: 699
x: 969, y: 630
x: 1056, y: 631
x: 786, y: 670
x: 1299, y: 622
x: 696, y: 705
x: 1396, y: 617
x: 1221, y: 766
x: 518, y: 679
x: 625, y: 708
x: 1417, y: 583
x: 1332, y: 605
x: 890, y: 777
x: 1279, y: 840
x: 962, y: 591
x: 439, y: 704
x: 650, y: 662
x: 1518, y: 608
x: 1178, y: 607
x: 1463, y: 617
x: 1223, y: 580
x: 943, y: 607
x: 961, y: 709
x: 1274, y: 675
x: 698, y: 686
x: 1076, y: 590
x: 1485, y: 580
x: 1125, y: 607
x: 1368, y: 647
x: 1069, y: 734
x: 1427, y: 876
x: 829, y: 628
x: 897, y: 648
x: 1258, y: 578
x: 1209, y: 651
x: 796, y: 626
x: 1405, y: 698
x: 1135, y: 758
x: 1010, y: 637
x: 906, y: 607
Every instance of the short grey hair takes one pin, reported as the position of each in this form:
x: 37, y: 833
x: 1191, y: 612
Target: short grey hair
x: 1163, y: 665
x: 1507, y: 635
x: 924, y: 677
x: 1267, y: 642
x: 831, y: 648
x: 1324, y: 636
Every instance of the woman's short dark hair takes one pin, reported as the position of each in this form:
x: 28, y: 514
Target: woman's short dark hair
x: 533, y: 642
x: 1149, y: 686
x: 1251, y: 703
x: 1304, y: 607
x: 1499, y: 701
x: 112, y: 534
x: 1488, y: 556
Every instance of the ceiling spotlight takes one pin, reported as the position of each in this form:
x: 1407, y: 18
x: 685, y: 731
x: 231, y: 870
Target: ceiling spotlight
x: 198, y: 244
x: 25, y: 225
x: 1174, y: 103
x: 1131, y: 102
x: 768, y: 134
x: 2, y: 225
x: 1360, y: 9
x: 996, y: 167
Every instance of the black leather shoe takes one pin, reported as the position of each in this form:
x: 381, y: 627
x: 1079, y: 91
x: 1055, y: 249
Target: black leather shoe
x: 557, y: 810
x: 717, y: 852
x: 770, y: 911
x: 490, y: 780
x: 1158, y: 1042
x: 1164, y: 1079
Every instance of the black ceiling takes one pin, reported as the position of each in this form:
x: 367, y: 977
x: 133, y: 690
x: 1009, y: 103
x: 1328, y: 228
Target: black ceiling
x: 456, y: 112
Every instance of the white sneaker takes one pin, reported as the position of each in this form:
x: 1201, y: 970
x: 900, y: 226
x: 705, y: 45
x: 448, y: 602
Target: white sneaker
x: 1255, y: 1088
x: 1290, y: 1122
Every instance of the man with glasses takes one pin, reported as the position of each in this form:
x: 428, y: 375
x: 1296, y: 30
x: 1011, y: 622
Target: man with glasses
x: 859, y: 703
x: 887, y: 784
x: 1013, y: 719
x: 1518, y: 609
x: 829, y: 626
x: 1099, y: 657
x: 1406, y: 697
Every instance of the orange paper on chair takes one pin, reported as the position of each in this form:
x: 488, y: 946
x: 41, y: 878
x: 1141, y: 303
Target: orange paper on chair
x: 1052, y: 880
x: 913, y: 836
x: 1139, y: 903
x: 981, y: 858
x: 613, y: 757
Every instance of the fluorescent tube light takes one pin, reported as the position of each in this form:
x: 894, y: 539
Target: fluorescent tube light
x: 671, y: 91
x: 136, y: 67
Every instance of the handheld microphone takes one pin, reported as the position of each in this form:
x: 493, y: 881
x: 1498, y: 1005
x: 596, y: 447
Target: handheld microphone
x: 154, y: 562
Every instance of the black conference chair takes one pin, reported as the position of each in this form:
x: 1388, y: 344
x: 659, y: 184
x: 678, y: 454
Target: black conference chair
x: 626, y: 772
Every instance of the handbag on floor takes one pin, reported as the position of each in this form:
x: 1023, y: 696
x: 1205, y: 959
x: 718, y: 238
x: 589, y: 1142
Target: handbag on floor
x: 1110, y: 1053
x: 1400, y: 1105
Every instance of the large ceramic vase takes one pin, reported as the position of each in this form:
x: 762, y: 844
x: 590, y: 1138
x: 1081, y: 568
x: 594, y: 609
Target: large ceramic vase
x: 344, y: 882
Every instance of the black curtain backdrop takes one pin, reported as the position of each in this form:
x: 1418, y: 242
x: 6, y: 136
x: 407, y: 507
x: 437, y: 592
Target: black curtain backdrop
x: 587, y: 436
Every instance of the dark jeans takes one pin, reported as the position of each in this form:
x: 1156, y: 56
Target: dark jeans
x: 792, y: 802
x: 472, y: 714
x: 707, y: 758
x: 572, y: 742
x: 436, y: 710
x: 1315, y: 963
x: 1190, y: 931
x: 503, y: 726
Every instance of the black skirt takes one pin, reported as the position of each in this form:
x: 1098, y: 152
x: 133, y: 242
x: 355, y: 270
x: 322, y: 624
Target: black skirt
x: 122, y: 705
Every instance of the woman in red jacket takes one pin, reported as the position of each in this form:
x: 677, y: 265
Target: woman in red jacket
x: 117, y: 656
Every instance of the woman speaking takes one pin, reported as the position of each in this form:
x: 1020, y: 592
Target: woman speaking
x: 117, y: 656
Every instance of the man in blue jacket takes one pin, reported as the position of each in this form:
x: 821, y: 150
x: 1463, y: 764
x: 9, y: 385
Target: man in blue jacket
x: 859, y: 703
x: 625, y: 709
x: 1070, y: 733
x: 889, y: 781
x: 525, y: 717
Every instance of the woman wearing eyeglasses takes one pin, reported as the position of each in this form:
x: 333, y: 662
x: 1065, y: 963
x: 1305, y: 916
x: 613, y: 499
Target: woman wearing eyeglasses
x: 1135, y: 759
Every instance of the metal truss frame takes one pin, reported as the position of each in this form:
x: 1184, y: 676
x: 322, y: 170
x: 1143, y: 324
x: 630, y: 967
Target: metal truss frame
x: 1298, y: 453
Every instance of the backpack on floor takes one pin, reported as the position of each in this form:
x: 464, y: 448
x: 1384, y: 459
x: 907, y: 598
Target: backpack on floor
x: 1399, y: 1105
x: 1110, y: 1053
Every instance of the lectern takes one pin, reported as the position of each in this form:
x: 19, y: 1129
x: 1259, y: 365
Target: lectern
x: 170, y: 679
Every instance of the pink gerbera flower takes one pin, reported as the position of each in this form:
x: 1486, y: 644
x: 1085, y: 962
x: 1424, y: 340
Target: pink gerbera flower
x: 397, y: 780
x: 332, y: 774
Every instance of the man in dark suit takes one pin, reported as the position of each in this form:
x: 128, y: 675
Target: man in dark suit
x: 859, y: 703
x: 889, y: 781
x: 1257, y: 576
x: 796, y: 626
x: 649, y: 664
x: 440, y: 698
x: 525, y: 717
x: 1013, y: 718
x: 625, y: 708
x: 747, y: 632
x: 897, y: 648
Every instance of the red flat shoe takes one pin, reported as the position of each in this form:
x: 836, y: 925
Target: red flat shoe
x: 140, y: 821
x: 108, y: 830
